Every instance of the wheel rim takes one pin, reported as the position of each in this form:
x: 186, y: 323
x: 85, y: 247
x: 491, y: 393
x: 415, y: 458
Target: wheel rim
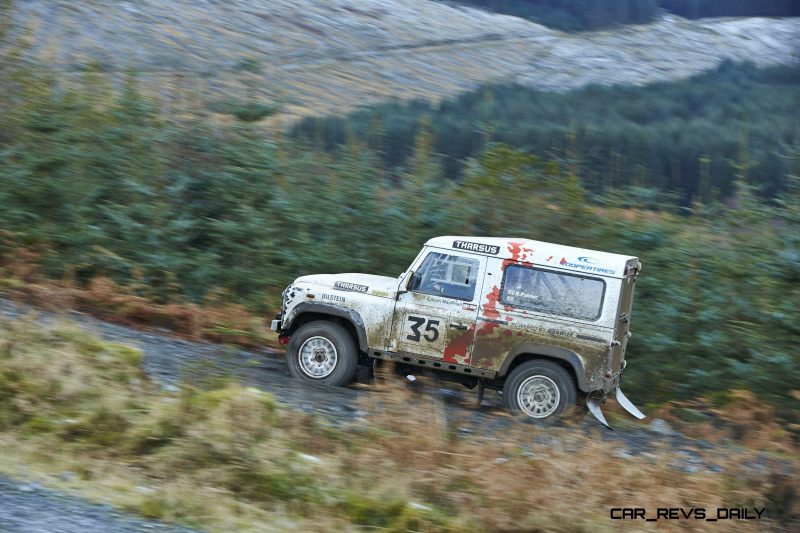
x: 317, y: 357
x: 538, y: 396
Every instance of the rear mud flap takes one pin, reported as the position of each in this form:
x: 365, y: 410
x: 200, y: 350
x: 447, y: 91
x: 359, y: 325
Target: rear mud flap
x: 627, y: 405
x: 594, y: 407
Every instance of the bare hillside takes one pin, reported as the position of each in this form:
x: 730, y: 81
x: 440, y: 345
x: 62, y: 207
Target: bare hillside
x: 330, y: 55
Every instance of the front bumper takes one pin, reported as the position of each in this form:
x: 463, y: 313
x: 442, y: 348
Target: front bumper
x: 275, y: 325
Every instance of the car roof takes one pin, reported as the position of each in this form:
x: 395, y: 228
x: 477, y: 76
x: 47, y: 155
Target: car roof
x: 539, y: 253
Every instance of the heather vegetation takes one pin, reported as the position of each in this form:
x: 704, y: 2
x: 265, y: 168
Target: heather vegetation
x: 582, y: 15
x: 100, y: 183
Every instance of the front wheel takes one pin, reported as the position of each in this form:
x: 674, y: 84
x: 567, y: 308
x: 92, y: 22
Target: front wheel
x: 322, y: 352
x: 540, y: 390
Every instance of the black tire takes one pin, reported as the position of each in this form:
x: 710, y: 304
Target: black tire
x: 551, y: 406
x: 325, y: 366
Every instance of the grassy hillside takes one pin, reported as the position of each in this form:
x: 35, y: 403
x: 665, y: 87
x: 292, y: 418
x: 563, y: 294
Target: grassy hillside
x: 228, y: 458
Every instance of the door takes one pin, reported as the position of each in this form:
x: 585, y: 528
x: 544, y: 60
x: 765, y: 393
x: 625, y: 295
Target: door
x: 436, y: 317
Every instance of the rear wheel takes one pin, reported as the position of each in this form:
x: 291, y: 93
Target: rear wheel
x: 541, y: 391
x: 322, y: 352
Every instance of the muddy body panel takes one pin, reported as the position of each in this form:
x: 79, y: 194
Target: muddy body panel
x: 366, y: 302
x: 436, y: 316
x: 498, y: 343
x: 515, y: 319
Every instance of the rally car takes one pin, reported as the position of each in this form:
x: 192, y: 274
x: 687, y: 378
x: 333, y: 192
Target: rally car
x: 546, y: 325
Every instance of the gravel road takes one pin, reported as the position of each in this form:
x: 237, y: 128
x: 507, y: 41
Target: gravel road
x: 168, y: 360
x: 30, y: 508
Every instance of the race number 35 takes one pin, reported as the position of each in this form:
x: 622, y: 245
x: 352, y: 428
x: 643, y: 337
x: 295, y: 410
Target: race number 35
x: 431, y: 329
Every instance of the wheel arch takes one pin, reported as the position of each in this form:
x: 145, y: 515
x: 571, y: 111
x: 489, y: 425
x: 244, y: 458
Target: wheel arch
x: 568, y: 359
x: 349, y: 319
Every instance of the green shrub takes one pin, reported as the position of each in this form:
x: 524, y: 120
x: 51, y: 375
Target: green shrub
x: 369, y: 511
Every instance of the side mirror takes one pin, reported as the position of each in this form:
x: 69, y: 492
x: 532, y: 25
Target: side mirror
x: 407, y: 283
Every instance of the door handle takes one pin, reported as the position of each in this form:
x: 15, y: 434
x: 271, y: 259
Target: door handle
x: 458, y: 325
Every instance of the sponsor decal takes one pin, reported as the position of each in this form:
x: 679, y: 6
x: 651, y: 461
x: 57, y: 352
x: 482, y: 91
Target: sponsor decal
x: 476, y: 247
x: 541, y: 330
x: 437, y: 300
x: 587, y: 265
x: 347, y: 286
x: 512, y: 294
x: 333, y: 297
x: 532, y: 328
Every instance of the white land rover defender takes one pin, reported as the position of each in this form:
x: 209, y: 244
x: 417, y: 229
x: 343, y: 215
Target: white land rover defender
x: 545, y: 324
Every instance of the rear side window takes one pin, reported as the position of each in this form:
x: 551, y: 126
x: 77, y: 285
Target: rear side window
x: 555, y: 293
x: 451, y: 276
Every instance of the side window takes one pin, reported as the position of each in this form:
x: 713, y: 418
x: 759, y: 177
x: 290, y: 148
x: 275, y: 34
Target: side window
x: 451, y: 276
x: 555, y: 293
